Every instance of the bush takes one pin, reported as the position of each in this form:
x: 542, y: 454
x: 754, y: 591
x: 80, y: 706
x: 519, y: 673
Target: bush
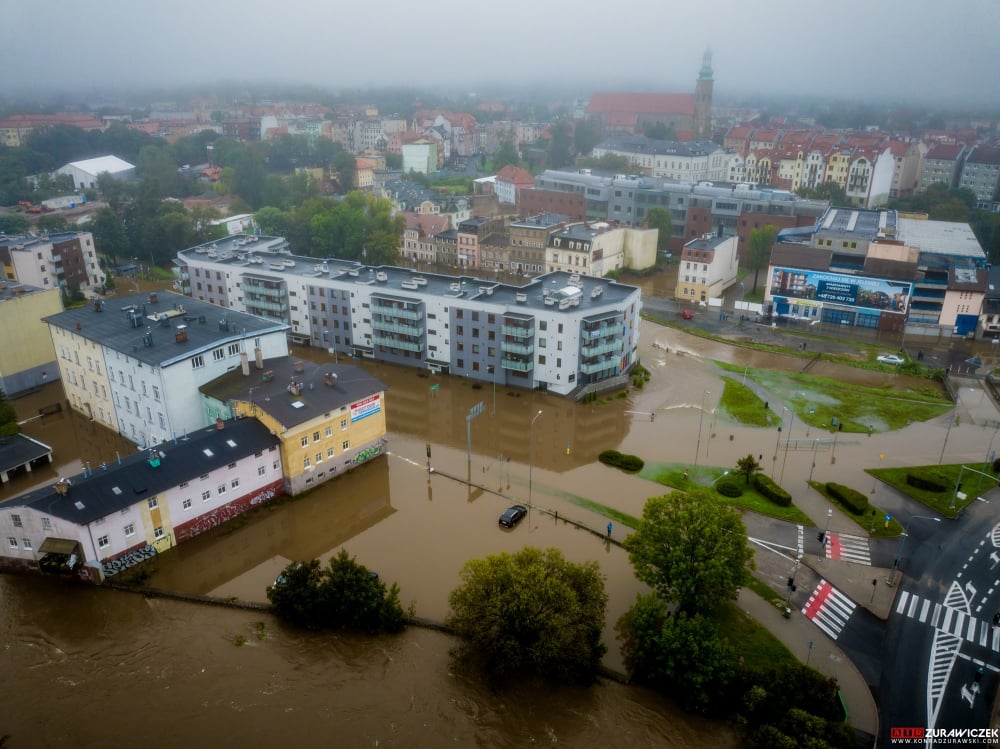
x: 729, y: 488
x: 996, y: 466
x: 771, y: 490
x: 927, y: 482
x: 852, y: 499
x: 621, y: 460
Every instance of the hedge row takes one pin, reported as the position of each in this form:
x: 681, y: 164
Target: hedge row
x: 621, y: 460
x: 771, y: 490
x: 927, y: 482
x: 729, y: 488
x: 852, y: 499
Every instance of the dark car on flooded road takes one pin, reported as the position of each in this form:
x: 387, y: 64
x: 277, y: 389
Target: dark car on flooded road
x: 513, y: 515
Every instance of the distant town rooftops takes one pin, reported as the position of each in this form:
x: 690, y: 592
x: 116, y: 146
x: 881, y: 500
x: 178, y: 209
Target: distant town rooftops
x: 541, y: 221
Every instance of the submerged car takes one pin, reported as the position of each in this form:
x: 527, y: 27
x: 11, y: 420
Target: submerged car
x: 513, y: 515
x: 687, y: 314
x: 892, y: 359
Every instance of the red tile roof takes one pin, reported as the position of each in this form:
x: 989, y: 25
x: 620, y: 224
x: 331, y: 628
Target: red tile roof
x: 606, y: 102
x: 945, y: 151
x: 516, y: 176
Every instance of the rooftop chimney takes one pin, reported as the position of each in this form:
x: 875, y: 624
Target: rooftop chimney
x: 258, y: 357
x: 245, y: 363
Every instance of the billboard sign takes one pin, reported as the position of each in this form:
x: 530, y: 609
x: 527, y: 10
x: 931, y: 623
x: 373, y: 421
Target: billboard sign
x: 364, y: 408
x: 836, y: 288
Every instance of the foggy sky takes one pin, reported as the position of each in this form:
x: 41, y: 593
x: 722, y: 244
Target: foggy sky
x: 920, y: 51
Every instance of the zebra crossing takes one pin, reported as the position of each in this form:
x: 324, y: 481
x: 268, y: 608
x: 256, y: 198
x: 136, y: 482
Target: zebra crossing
x: 829, y: 609
x: 949, y: 620
x: 847, y: 548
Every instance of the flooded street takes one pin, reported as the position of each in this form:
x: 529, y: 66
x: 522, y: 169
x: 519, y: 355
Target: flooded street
x: 165, y: 666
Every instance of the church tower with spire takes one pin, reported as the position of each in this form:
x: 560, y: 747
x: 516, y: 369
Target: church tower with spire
x: 703, y: 99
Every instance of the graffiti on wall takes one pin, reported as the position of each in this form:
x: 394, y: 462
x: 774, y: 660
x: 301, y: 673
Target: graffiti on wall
x: 227, y: 512
x: 367, y: 454
x: 128, y: 559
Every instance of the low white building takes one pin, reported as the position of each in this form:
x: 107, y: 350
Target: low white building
x: 111, y: 517
x: 85, y: 173
x: 708, y: 266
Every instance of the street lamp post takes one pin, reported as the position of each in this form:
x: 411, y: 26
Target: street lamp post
x: 822, y: 536
x: 777, y: 442
x: 951, y: 421
x: 531, y: 452
x: 815, y: 443
x: 958, y: 483
x: 791, y: 581
x: 701, y: 418
x: 902, y: 542
x: 788, y: 438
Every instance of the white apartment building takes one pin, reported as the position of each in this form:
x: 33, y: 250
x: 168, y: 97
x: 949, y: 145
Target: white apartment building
x: 136, y: 366
x: 560, y: 332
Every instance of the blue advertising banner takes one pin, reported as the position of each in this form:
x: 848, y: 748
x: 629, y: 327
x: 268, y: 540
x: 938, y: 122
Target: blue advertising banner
x: 856, y: 291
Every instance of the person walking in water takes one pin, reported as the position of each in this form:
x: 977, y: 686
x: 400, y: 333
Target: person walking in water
x: 610, y: 528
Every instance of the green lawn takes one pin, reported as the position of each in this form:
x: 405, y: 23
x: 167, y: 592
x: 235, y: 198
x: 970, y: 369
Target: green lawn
x: 872, y: 521
x: 818, y: 400
x: 745, y: 406
x: 751, y: 641
x: 702, y: 477
x: 946, y: 502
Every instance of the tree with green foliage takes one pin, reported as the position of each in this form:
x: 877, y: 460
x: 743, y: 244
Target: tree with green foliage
x: 561, y: 145
x: 691, y: 550
x: 248, y: 178
x: 506, y: 153
x: 586, y: 135
x: 109, y: 235
x: 342, y: 595
x: 532, y: 612
x: 660, y: 131
x: 761, y: 242
x: 659, y: 218
x: 13, y: 223
x: 609, y: 162
x: 8, y: 417
x: 52, y: 223
x: 747, y: 467
x: 829, y: 190
x: 681, y: 655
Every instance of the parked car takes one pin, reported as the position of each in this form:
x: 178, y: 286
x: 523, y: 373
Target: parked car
x: 687, y: 314
x: 513, y: 515
x: 892, y: 359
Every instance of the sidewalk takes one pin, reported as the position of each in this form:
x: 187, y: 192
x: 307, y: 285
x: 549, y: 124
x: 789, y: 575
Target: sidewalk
x: 796, y: 633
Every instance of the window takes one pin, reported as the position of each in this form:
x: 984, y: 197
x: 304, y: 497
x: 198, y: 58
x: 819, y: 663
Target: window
x: 102, y: 542
x: 306, y: 462
x: 231, y: 466
x: 12, y: 542
x: 158, y: 532
x: 261, y: 470
x: 329, y: 452
x: 315, y: 436
x: 46, y: 524
x: 186, y: 504
x: 329, y: 431
x: 221, y: 489
x: 156, y: 392
x: 305, y: 442
x: 16, y: 520
x: 197, y: 362
x: 152, y: 503
x: 129, y: 530
x: 206, y: 495
x: 276, y: 465
x: 218, y: 354
x: 345, y: 445
x: 234, y: 483
x: 26, y: 543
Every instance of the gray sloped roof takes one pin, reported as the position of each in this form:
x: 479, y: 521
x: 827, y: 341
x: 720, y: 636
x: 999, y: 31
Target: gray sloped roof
x: 115, y: 486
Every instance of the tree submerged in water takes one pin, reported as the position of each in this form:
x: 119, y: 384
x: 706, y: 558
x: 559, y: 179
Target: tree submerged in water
x: 342, y: 595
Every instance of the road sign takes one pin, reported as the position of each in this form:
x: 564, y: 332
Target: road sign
x: 435, y: 387
x: 476, y: 410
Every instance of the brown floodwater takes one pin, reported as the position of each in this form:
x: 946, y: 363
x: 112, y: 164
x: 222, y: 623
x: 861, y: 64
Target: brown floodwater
x: 97, y: 668
x: 171, y: 672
